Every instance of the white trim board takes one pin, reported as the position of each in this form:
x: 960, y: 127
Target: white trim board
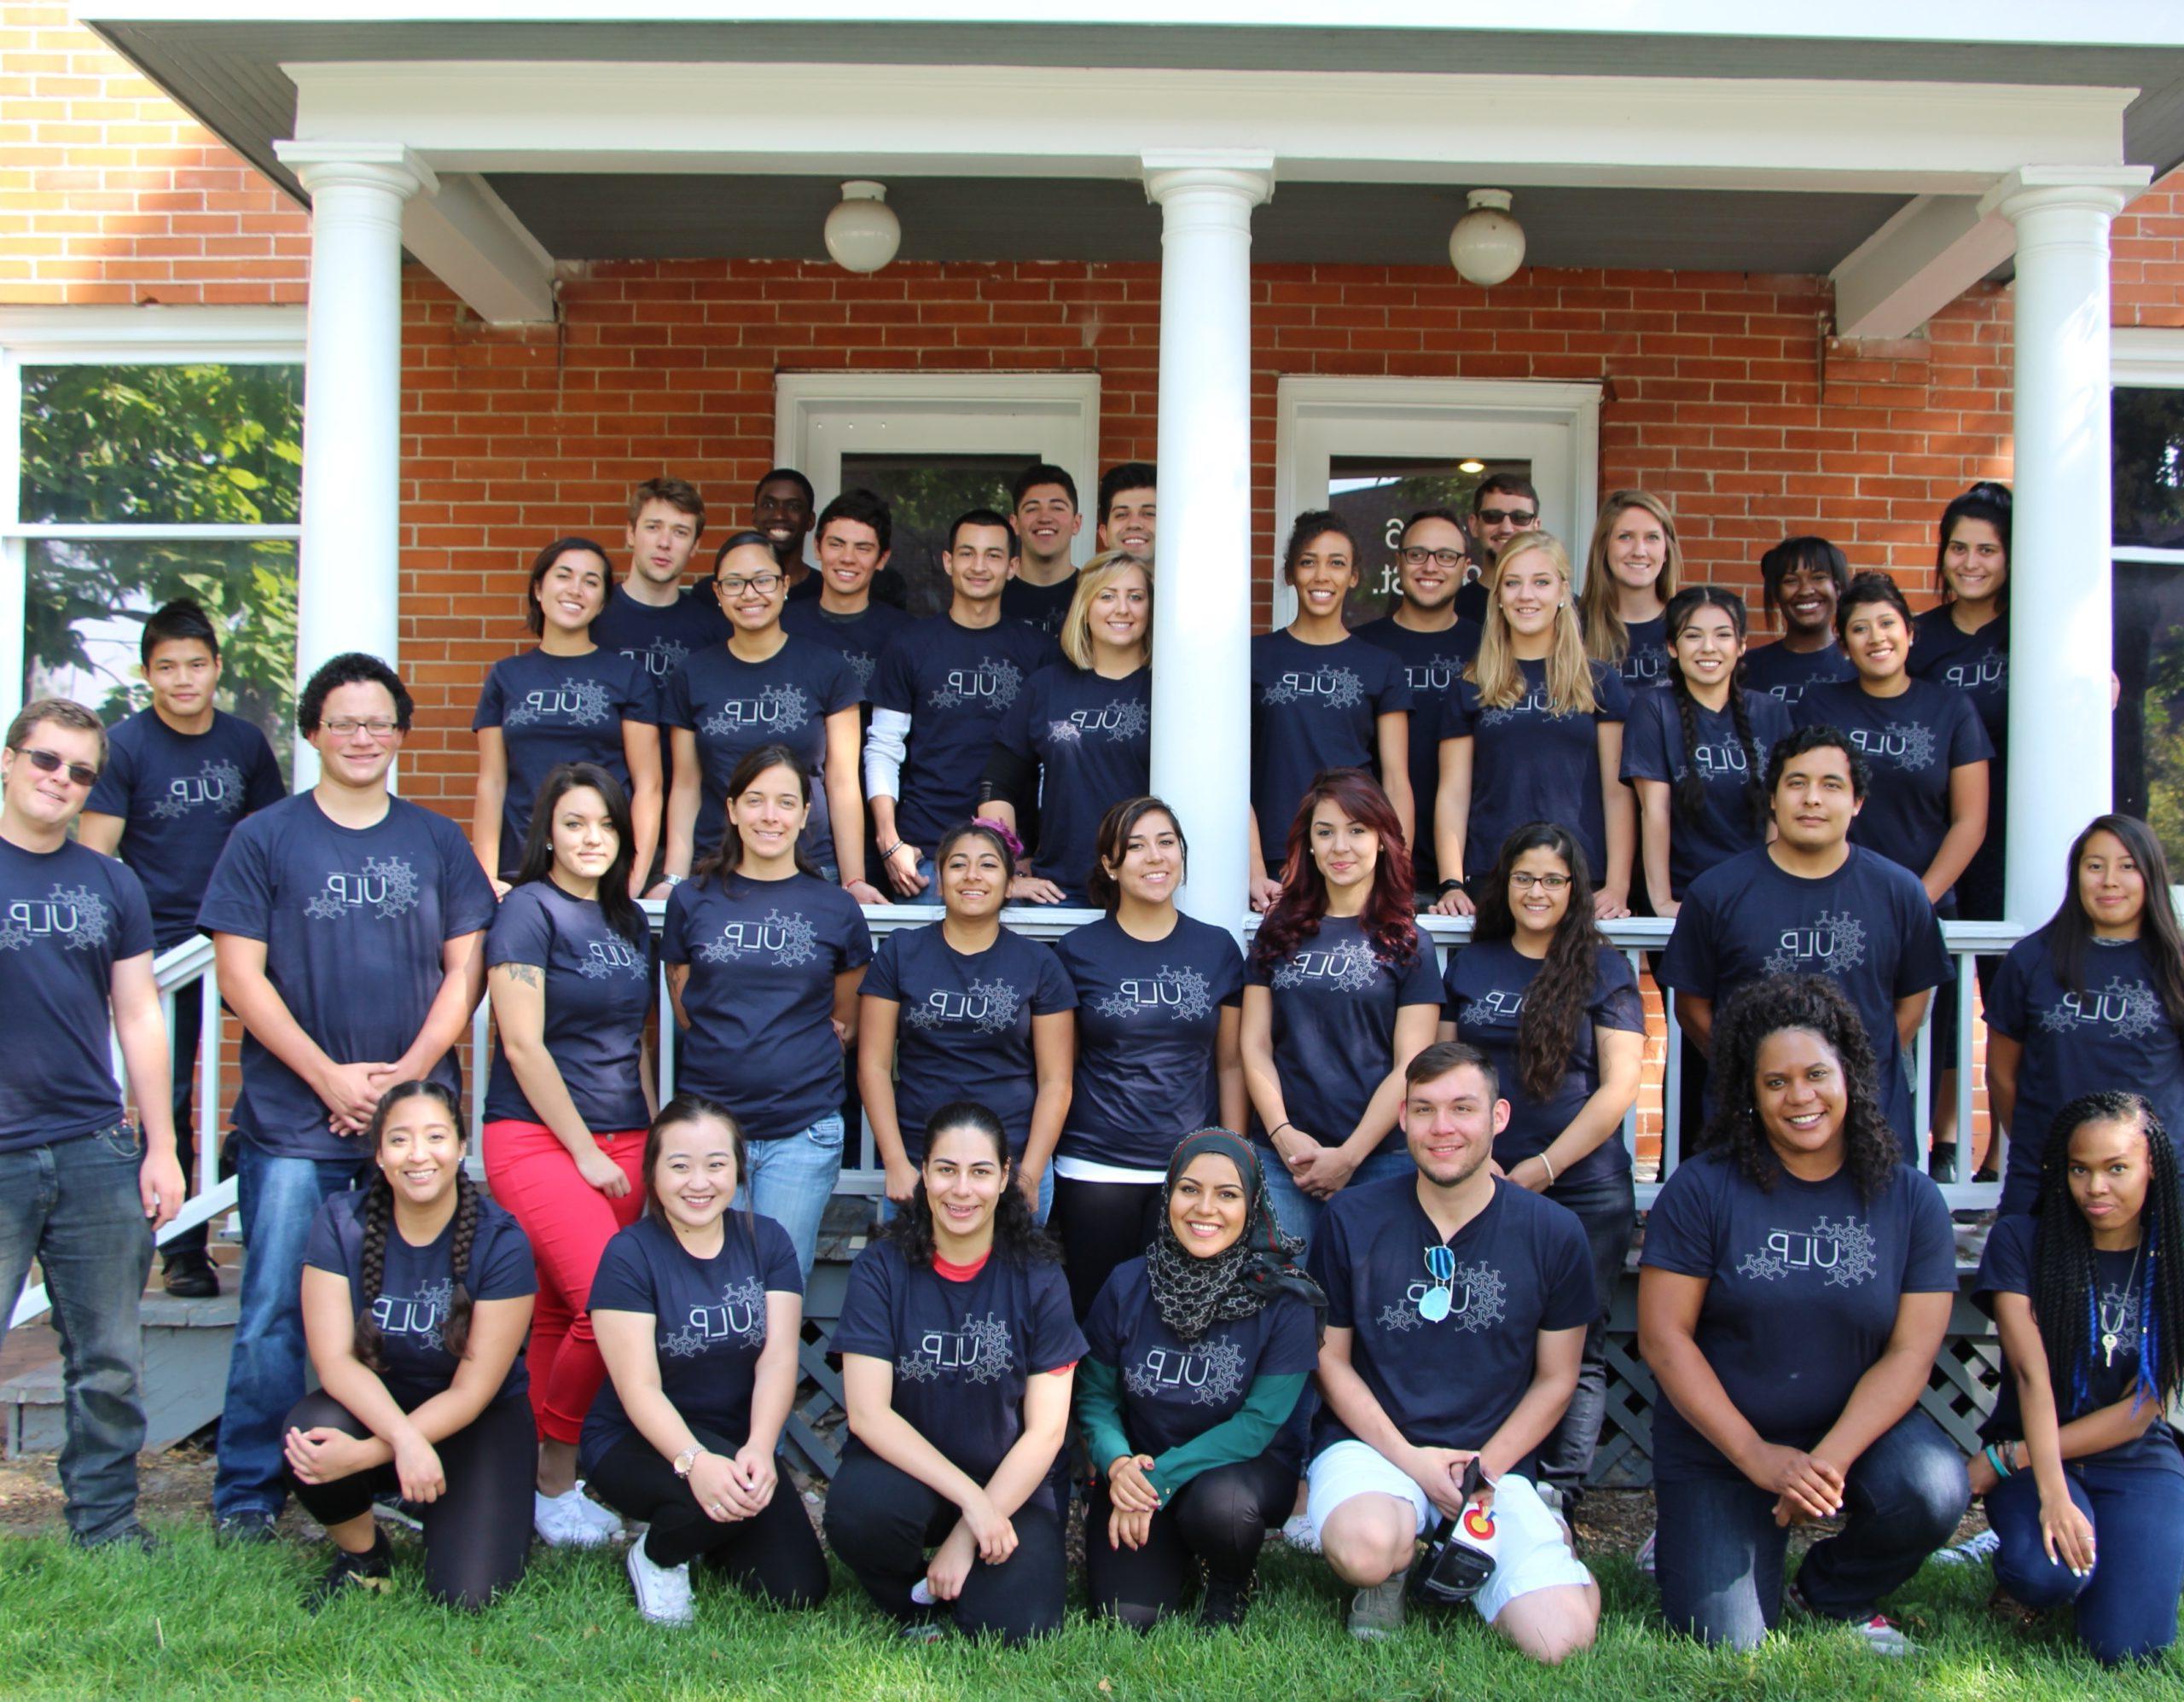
x: 2147, y: 356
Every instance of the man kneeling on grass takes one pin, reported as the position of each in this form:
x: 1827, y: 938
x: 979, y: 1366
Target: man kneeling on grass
x: 1457, y: 1303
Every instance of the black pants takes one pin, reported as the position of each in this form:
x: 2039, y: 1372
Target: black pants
x: 1102, y: 1224
x: 774, y: 1556
x: 1220, y: 1517
x: 883, y: 1522
x: 1608, y: 1209
x: 188, y: 1023
x: 478, y: 1533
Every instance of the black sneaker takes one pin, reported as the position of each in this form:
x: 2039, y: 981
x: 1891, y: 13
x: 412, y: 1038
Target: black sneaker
x: 372, y: 1569
x: 1224, y: 1601
x: 248, y: 1529
x: 189, y: 1275
x: 129, y: 1536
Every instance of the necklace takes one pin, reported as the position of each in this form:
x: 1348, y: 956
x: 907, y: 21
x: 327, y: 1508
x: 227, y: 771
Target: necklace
x: 2112, y: 1329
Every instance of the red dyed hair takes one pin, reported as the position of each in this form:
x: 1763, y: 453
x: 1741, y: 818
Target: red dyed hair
x: 1296, y: 914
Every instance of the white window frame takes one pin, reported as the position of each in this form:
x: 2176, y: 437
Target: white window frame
x: 1554, y: 425
x: 1048, y: 416
x: 115, y: 336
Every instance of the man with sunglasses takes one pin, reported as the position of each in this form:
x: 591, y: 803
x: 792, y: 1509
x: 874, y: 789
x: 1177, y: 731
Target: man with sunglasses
x: 81, y: 1192
x: 1457, y: 1303
x: 1503, y: 505
x: 346, y: 924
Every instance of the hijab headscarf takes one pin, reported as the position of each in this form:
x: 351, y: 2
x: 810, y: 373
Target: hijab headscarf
x: 1192, y: 1294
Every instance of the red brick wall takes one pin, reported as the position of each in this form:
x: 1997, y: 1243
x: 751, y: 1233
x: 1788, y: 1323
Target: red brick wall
x: 2147, y: 273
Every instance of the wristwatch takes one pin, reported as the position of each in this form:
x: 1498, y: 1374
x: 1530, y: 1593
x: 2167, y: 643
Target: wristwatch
x: 686, y: 1461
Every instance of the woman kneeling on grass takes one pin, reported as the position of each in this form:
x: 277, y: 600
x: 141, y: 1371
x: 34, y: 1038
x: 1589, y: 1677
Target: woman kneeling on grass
x: 2089, y: 1298
x: 698, y: 1310
x: 416, y: 1298
x: 958, y: 1351
x: 1198, y: 1353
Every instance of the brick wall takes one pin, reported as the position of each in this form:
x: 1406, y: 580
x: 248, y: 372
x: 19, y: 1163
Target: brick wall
x: 2147, y: 272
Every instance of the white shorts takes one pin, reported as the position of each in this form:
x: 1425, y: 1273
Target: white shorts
x: 1534, y: 1553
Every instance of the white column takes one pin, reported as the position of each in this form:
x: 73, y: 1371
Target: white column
x: 349, y: 569
x: 2061, y: 619
x: 1202, y: 595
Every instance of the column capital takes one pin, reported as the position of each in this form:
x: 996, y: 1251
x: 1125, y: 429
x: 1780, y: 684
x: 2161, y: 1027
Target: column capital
x: 389, y: 165
x: 2092, y: 188
x: 1239, y: 171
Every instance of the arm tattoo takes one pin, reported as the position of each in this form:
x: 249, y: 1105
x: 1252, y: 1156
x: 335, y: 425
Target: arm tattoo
x: 525, y: 974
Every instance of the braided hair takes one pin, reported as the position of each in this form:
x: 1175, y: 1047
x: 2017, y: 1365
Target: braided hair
x: 1691, y: 788
x: 1556, y: 1001
x: 2065, y: 1284
x: 368, y: 1345
x: 1016, y: 1237
x: 1814, y: 1003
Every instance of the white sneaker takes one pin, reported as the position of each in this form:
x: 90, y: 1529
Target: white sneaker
x: 603, y: 1517
x: 1879, y: 1634
x: 1298, y: 1533
x: 1972, y: 1552
x: 1377, y: 1612
x: 662, y: 1592
x: 567, y: 1521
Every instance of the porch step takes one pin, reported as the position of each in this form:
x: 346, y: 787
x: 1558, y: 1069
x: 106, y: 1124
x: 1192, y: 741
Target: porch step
x: 186, y: 1346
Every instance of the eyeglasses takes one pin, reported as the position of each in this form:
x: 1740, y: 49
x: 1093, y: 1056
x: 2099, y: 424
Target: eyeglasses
x: 1440, y: 1299
x: 347, y: 727
x: 735, y: 585
x: 1524, y: 881
x: 51, y: 762
x: 1494, y: 517
x: 1414, y: 556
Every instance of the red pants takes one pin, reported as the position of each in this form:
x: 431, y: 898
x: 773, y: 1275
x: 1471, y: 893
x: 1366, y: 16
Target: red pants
x: 569, y: 1223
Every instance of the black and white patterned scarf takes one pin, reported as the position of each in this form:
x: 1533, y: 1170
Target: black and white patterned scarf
x: 1192, y: 1294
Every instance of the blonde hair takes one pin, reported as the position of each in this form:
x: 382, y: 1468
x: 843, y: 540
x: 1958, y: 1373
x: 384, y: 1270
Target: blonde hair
x: 1606, y: 638
x: 1500, y: 681
x: 1095, y: 577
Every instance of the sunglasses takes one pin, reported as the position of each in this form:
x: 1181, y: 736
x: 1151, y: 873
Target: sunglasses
x: 1441, y: 1298
x: 1494, y: 517
x: 49, y: 762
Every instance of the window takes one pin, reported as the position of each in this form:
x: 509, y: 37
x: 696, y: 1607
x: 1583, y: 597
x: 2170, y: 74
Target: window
x: 2147, y: 425
x: 1376, y: 493
x: 924, y: 494
x: 149, y: 454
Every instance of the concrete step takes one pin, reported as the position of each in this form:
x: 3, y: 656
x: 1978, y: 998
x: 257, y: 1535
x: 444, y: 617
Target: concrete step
x: 186, y: 1346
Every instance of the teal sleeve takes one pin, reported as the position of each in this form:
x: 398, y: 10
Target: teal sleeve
x: 1099, y: 1413
x: 1267, y: 1406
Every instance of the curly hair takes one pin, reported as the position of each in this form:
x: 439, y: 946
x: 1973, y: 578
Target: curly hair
x: 2065, y: 1279
x: 1296, y: 916
x: 1766, y: 1007
x: 1555, y: 1002
x: 369, y: 1343
x: 1016, y: 1237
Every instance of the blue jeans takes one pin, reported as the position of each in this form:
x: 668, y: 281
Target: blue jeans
x: 888, y: 1211
x: 276, y: 1199
x: 1296, y: 1212
x: 2127, y: 1609
x: 1718, y: 1553
x: 792, y: 1179
x: 1607, y: 1207
x: 74, y: 1208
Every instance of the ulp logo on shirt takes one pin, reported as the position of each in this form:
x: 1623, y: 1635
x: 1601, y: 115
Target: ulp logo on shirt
x: 1991, y: 672
x: 989, y: 1008
x: 978, y: 1352
x: 2130, y: 1008
x: 1205, y: 1374
x: 1533, y: 702
x: 739, y: 1319
x: 1182, y: 995
x: 1498, y: 1005
x: 387, y: 888
x: 787, y: 939
x: 217, y: 786
x: 418, y: 1317
x: 1349, y: 968
x: 1832, y: 945
x: 74, y: 915
x: 1726, y: 757
x: 994, y: 685
x: 1843, y: 1252
x: 615, y: 956
x: 1910, y: 748
x: 576, y: 703
x: 1436, y: 674
x: 778, y: 709
x: 1478, y: 1299
x: 662, y: 656
x: 1333, y: 688
x: 1113, y: 721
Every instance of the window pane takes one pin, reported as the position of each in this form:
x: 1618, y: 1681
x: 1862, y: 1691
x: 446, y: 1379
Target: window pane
x: 925, y: 492
x: 2148, y: 467
x: 87, y: 605
x: 1376, y: 493
x: 195, y: 445
x: 2149, y: 660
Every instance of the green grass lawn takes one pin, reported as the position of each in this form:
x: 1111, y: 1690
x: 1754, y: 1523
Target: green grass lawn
x: 196, y: 1620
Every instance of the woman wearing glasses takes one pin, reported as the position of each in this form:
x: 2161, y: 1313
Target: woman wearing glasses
x: 764, y: 686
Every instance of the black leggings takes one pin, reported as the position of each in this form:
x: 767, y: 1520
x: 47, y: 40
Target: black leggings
x: 883, y: 1522
x: 1102, y: 1224
x: 1220, y: 1517
x: 773, y: 1556
x: 478, y: 1533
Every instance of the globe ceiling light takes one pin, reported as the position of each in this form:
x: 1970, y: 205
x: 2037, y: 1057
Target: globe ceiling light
x: 1488, y: 245
x: 862, y: 232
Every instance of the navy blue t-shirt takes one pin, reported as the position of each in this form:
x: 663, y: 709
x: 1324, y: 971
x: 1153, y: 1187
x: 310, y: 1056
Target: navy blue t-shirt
x: 1653, y: 749
x: 1432, y: 661
x: 2007, y: 1268
x: 1045, y: 607
x: 1521, y: 1267
x: 1529, y: 764
x: 1784, y: 673
x: 1092, y: 738
x: 1314, y: 707
x: 179, y: 795
x: 662, y: 639
x: 1976, y: 664
x: 1174, y: 1392
x: 1911, y: 742
x: 963, y: 1352
x: 956, y: 683
x: 1803, y: 1285
x: 1484, y: 986
x: 66, y: 917
x: 1645, y: 664
x: 1148, y: 1014
x: 2114, y: 1033
x: 732, y: 707
x: 709, y: 1321
x: 965, y: 1028
x: 763, y: 955
x: 859, y: 638
x: 1334, y: 1025
x: 417, y: 1285
x: 598, y: 992
x: 353, y: 921
x: 560, y: 709
x: 1867, y: 927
